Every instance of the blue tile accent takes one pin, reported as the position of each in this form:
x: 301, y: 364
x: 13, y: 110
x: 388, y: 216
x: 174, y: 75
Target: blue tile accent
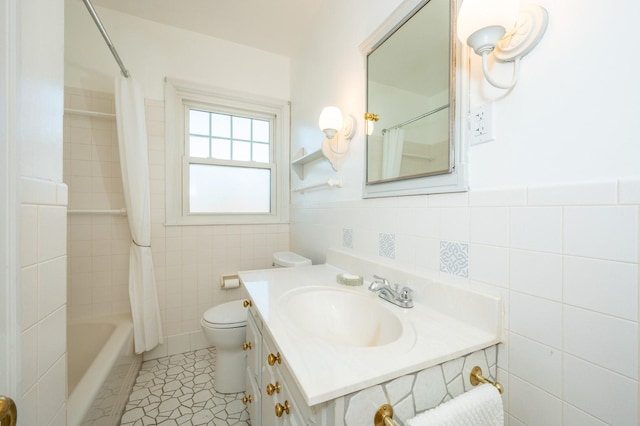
x: 387, y: 245
x: 454, y: 258
x: 347, y: 237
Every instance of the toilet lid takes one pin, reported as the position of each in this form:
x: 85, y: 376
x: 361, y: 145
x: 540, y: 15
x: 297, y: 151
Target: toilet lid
x: 226, y: 315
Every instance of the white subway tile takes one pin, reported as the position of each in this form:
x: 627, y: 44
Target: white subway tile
x: 602, y: 232
x: 536, y: 318
x: 454, y: 199
x: 629, y: 191
x: 602, y: 286
x: 509, y: 197
x: 52, y: 232
x: 531, y: 405
x: 536, y: 363
x: 603, y: 340
x: 28, y: 410
x: 28, y: 296
x: 602, y: 393
x: 537, y: 228
x: 454, y: 224
x: 28, y: 235
x: 51, y: 392
x: 489, y: 225
x: 52, y: 340
x: 29, y: 358
x: 52, y: 286
x: 489, y: 264
x: 427, y: 222
x: 596, y: 193
x: 36, y: 191
x: 576, y: 417
x: 536, y: 273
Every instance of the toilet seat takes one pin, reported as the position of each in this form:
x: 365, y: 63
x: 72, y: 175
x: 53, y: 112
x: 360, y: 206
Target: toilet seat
x: 226, y: 315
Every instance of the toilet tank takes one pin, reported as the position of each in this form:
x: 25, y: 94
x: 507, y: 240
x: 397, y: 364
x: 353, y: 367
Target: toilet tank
x: 287, y: 259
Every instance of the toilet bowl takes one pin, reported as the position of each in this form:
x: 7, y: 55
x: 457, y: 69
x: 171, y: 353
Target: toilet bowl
x: 224, y: 326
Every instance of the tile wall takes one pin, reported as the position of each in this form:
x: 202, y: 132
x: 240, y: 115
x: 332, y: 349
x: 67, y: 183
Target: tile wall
x: 565, y: 260
x: 43, y: 259
x: 188, y: 260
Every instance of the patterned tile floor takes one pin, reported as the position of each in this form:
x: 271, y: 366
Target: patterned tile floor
x: 178, y: 390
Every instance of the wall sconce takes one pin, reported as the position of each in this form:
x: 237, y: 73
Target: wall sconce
x: 369, y: 119
x: 501, y: 27
x: 338, y: 131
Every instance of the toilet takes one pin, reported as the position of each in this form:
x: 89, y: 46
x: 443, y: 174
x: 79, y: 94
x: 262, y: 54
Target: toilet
x: 224, y: 326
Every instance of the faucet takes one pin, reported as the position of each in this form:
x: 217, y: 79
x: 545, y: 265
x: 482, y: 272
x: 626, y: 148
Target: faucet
x: 400, y: 297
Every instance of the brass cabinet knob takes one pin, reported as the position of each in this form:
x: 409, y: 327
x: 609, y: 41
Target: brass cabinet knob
x: 282, y: 408
x: 271, y: 359
x: 247, y: 400
x: 246, y: 346
x: 247, y: 303
x: 271, y: 388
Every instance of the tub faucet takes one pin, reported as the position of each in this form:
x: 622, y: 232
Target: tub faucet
x: 400, y: 297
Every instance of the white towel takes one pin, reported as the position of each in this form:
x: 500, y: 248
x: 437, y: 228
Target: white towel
x: 481, y: 406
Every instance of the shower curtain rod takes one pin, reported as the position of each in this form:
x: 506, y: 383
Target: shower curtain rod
x: 420, y: 117
x: 98, y: 22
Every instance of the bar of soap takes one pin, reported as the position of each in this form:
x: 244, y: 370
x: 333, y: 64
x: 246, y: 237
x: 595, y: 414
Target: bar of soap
x: 349, y: 279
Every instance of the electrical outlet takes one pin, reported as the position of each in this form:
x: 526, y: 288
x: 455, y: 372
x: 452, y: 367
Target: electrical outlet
x: 481, y: 124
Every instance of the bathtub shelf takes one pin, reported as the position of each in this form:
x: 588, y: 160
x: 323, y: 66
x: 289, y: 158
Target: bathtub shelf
x: 86, y: 113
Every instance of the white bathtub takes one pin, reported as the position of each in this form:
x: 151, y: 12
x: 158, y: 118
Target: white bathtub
x: 101, y: 369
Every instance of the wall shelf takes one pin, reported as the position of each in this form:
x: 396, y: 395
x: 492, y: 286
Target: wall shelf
x: 298, y: 164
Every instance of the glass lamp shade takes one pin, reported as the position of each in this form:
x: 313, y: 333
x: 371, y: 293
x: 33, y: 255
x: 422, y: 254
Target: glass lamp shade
x: 330, y: 121
x: 478, y: 14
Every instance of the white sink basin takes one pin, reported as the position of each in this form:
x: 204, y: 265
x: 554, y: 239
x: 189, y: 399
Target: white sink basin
x: 341, y: 316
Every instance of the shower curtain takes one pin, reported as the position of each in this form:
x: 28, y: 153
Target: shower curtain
x: 134, y: 164
x: 392, y: 146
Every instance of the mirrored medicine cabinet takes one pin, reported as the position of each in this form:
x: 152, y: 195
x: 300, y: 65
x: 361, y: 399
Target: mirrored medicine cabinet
x: 413, y: 122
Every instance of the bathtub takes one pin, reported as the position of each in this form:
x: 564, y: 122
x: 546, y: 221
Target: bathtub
x: 101, y: 369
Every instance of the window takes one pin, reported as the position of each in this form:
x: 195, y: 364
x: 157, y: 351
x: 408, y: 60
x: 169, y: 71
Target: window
x: 226, y: 157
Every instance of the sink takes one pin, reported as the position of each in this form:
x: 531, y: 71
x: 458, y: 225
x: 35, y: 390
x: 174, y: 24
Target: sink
x: 341, y: 316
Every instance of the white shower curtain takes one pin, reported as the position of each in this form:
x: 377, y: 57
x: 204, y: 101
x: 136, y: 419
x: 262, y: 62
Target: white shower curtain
x: 134, y: 163
x: 392, y: 146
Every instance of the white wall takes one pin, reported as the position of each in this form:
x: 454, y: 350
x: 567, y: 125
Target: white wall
x: 551, y: 220
x: 152, y: 51
x: 43, y: 201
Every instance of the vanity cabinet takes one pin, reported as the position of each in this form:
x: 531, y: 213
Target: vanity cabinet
x: 253, y: 346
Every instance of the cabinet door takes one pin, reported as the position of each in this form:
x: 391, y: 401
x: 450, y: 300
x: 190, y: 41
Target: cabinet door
x: 253, y: 399
x: 254, y: 353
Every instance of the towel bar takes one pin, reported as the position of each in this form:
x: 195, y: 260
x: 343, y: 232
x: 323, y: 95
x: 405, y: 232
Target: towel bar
x: 384, y: 416
x: 477, y: 378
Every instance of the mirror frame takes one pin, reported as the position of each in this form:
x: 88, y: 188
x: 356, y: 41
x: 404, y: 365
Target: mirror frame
x: 457, y: 180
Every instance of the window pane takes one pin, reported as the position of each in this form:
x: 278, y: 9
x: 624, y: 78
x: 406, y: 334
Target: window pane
x: 198, y: 122
x: 198, y: 146
x: 241, y: 151
x: 221, y: 125
x: 260, y: 131
x: 221, y: 149
x: 261, y: 152
x: 225, y: 189
x: 241, y: 128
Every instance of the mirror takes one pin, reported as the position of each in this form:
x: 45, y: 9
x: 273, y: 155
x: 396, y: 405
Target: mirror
x: 411, y: 104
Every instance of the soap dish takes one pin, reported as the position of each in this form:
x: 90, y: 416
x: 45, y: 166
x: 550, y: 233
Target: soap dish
x: 349, y: 279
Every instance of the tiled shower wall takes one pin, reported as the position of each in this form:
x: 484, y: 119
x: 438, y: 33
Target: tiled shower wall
x: 188, y: 260
x: 563, y: 258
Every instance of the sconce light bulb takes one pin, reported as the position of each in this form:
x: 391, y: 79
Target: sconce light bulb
x: 330, y: 121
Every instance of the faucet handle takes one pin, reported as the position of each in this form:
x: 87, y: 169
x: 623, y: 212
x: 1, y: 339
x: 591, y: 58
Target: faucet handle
x: 406, y: 293
x: 383, y: 279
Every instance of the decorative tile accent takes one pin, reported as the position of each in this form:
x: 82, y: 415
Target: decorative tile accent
x: 387, y: 245
x: 454, y: 258
x: 347, y: 237
x: 178, y: 390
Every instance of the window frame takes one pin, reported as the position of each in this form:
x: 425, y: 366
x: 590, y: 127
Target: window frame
x: 180, y: 96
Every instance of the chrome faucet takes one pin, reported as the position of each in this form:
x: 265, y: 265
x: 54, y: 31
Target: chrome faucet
x: 400, y: 297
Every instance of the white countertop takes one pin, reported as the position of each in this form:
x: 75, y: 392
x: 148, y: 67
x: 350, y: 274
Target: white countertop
x: 325, y: 371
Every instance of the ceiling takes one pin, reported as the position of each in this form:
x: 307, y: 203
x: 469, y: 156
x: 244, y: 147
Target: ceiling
x: 277, y: 26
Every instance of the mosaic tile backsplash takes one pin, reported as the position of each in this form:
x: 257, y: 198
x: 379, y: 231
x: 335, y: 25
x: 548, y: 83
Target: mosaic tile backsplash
x: 454, y: 258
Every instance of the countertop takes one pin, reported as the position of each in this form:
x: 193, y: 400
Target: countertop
x: 324, y: 371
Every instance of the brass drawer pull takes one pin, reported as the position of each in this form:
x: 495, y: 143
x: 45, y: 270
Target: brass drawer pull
x: 272, y: 359
x: 247, y: 303
x: 282, y: 408
x: 271, y: 388
x: 247, y: 400
x: 246, y: 346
